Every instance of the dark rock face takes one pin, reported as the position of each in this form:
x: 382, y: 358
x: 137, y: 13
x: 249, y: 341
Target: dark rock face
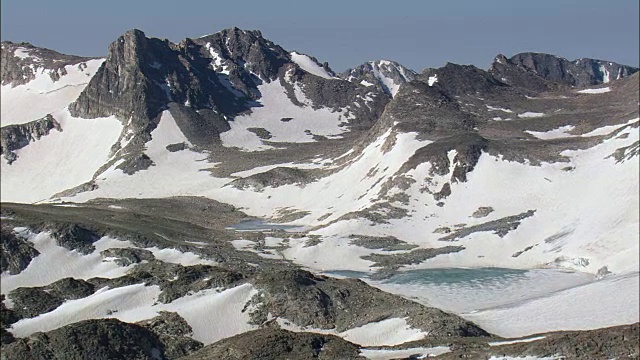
x: 273, y: 344
x: 33, y: 301
x: 204, y: 83
x: 14, y: 137
x: 618, y: 342
x: 322, y: 302
x: 500, y: 227
x: 173, y: 331
x: 7, y: 317
x: 393, y: 262
x: 378, y: 74
x: 128, y: 256
x: 16, y: 253
x: 74, y: 237
x: 581, y: 72
x: 91, y: 339
x: 18, y: 70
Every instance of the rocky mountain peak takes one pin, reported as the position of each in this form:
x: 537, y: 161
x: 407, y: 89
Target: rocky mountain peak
x: 248, y: 49
x: 383, y: 74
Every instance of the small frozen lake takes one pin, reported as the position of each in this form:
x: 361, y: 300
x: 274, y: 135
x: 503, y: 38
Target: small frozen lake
x: 462, y: 290
x: 261, y: 225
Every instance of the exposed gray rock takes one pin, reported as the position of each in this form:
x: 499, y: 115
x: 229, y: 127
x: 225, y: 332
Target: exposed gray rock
x: 500, y: 227
x: 274, y: 344
x: 128, y: 256
x: 388, y: 243
x: 173, y: 331
x: 276, y: 177
x: 482, y: 211
x: 16, y: 253
x: 7, y: 317
x: 33, y: 301
x: 327, y: 303
x: 619, y: 342
x: 73, y: 237
x: 468, y: 147
x: 88, y: 186
x: 135, y: 163
x: 14, y: 137
x: 105, y: 339
x: 416, y: 256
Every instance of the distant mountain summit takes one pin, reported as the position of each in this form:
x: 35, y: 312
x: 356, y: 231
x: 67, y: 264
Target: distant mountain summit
x: 581, y: 72
x: 386, y: 75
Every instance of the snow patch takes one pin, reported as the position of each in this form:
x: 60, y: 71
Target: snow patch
x: 595, y: 91
x: 530, y: 114
x: 307, y: 64
x: 60, y: 160
x: 432, y: 79
x: 390, y: 354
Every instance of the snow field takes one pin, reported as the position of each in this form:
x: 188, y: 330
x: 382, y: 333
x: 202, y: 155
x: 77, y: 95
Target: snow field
x: 40, y: 271
x: 60, y: 160
x: 595, y: 91
x: 276, y: 106
x: 422, y: 352
x: 393, y: 331
x: 42, y: 95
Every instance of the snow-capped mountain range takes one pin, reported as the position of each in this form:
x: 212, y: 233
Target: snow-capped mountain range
x: 153, y: 154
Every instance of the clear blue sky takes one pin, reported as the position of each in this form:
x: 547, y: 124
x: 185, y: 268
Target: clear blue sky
x: 345, y: 33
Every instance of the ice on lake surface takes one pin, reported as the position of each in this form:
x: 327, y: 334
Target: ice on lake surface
x: 261, y: 225
x: 463, y: 290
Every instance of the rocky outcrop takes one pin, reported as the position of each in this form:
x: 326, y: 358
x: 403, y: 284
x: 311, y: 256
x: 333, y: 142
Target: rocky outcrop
x: 16, y: 253
x: 273, y: 344
x: 618, y: 342
x: 385, y: 75
x: 174, y: 332
x: 468, y: 148
x: 33, y: 301
x: 581, y: 72
x: 91, y: 339
x: 328, y: 303
x: 14, y: 137
x: 276, y: 177
x: 19, y: 62
x: 74, y: 237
